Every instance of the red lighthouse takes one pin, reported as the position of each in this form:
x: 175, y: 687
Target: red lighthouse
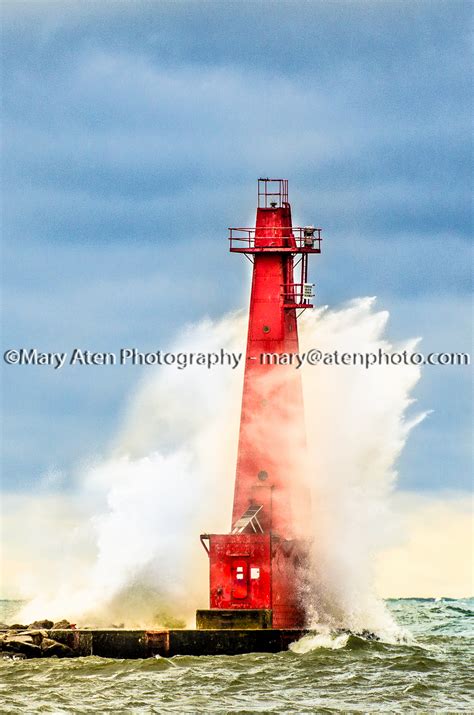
x: 258, y: 570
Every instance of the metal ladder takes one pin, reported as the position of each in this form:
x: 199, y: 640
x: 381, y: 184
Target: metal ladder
x: 249, y: 518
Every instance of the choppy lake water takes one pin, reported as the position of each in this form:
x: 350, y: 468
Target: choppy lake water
x: 432, y: 674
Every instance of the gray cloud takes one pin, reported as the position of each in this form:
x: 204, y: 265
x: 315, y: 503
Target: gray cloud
x: 134, y: 134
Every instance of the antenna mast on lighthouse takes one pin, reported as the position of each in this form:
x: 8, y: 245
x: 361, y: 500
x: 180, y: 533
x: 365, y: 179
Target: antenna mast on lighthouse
x: 258, y: 570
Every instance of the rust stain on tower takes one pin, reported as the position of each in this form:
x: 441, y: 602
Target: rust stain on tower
x: 258, y: 570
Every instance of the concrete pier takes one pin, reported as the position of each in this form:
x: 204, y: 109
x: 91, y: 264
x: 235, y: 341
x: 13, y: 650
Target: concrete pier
x: 167, y: 643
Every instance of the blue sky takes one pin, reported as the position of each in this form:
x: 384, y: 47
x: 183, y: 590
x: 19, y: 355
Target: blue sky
x: 134, y: 134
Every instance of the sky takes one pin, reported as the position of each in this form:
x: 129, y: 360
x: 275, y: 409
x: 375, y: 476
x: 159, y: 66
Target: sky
x: 133, y: 137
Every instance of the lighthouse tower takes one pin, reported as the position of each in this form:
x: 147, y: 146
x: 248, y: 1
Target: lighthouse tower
x: 258, y: 570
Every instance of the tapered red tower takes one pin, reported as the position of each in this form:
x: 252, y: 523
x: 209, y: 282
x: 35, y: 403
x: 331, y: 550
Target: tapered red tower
x: 258, y: 570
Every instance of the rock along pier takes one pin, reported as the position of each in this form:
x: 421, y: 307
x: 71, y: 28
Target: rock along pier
x: 36, y: 641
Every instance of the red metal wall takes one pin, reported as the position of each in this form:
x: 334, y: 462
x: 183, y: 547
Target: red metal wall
x: 240, y: 571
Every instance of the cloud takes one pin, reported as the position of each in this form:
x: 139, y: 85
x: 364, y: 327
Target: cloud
x: 134, y: 135
x: 434, y: 556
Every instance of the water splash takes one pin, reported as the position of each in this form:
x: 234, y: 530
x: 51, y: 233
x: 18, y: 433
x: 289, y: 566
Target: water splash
x: 170, y: 477
x: 357, y: 426
x: 324, y: 638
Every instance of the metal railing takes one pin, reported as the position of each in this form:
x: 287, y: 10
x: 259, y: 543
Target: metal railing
x: 298, y: 295
x: 272, y: 193
x: 304, y: 238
